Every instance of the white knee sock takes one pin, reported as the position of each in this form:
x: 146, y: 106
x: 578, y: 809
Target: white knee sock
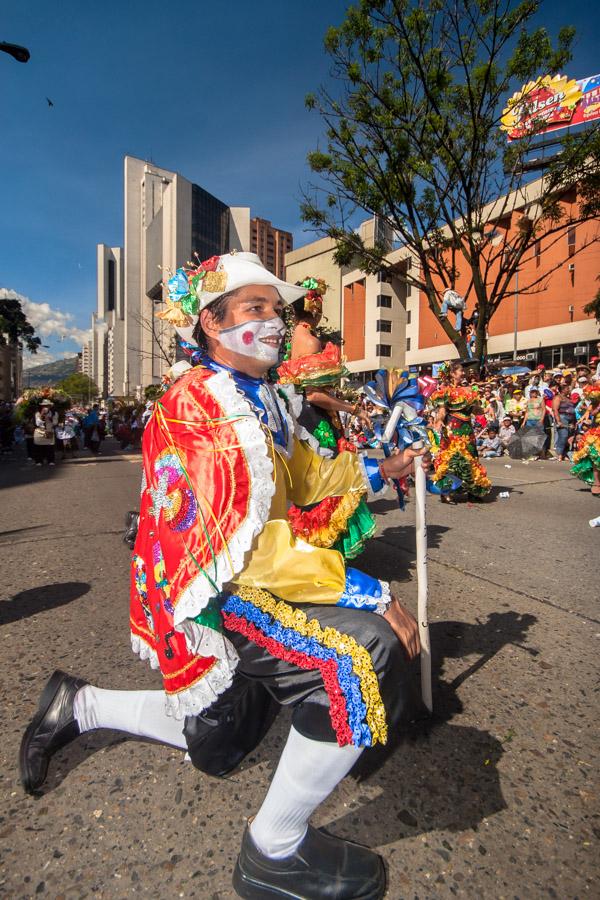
x: 307, y: 773
x: 141, y: 713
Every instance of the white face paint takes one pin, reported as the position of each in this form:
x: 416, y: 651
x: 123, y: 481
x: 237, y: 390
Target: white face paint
x: 260, y: 339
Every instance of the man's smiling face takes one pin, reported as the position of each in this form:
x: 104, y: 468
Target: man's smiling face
x: 252, y: 349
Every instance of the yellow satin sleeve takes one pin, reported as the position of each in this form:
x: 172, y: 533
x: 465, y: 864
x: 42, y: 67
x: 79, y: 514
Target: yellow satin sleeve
x: 293, y: 570
x: 313, y: 477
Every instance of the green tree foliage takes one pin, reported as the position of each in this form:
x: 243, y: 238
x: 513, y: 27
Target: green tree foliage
x: 153, y: 391
x: 412, y: 137
x: 14, y: 327
x: 80, y: 387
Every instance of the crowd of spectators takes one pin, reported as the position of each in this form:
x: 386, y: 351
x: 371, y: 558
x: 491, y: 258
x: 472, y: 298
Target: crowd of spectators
x: 45, y: 431
x: 548, y: 404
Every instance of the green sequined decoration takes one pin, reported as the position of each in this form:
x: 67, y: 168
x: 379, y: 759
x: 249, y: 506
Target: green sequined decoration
x: 210, y: 616
x: 325, y: 435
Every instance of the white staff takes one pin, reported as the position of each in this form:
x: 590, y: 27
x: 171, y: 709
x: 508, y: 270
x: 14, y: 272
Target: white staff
x: 421, y: 530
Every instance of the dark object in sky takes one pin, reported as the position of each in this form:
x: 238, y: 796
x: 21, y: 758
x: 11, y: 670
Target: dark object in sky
x: 49, y: 101
x: 21, y: 54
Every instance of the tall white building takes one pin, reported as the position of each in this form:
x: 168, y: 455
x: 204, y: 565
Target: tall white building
x: 85, y: 359
x: 167, y: 218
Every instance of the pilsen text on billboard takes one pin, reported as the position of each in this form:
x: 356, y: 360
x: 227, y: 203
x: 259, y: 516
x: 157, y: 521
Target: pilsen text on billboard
x: 551, y: 103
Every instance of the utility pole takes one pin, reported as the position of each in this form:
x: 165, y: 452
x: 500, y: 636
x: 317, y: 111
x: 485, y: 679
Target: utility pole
x: 516, y: 313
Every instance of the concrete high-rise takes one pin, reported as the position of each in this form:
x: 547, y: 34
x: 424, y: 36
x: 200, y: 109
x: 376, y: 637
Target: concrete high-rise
x: 166, y: 220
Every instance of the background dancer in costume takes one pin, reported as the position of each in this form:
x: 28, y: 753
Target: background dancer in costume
x: 345, y: 522
x: 587, y: 458
x: 236, y: 612
x: 457, y: 453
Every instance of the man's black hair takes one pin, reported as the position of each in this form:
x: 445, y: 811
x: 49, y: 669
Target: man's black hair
x: 218, y: 311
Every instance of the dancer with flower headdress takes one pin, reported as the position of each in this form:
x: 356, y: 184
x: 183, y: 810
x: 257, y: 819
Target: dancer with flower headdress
x: 457, y: 453
x: 343, y: 523
x: 237, y: 613
x: 587, y: 458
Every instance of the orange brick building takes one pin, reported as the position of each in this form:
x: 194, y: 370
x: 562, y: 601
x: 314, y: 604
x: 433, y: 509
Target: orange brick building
x: 551, y: 324
x: 271, y: 244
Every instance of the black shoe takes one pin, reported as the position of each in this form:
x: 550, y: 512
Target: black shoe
x: 52, y: 727
x: 131, y: 528
x: 324, y: 867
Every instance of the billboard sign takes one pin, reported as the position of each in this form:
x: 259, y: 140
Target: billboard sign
x: 551, y: 103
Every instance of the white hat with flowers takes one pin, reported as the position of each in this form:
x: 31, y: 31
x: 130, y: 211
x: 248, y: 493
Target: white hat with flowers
x: 193, y: 287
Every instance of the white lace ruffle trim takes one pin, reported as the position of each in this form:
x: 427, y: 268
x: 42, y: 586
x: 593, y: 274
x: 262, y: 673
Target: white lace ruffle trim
x: 204, y: 641
x: 195, y: 699
x: 385, y: 599
x: 200, y: 696
x: 141, y: 649
x: 227, y: 564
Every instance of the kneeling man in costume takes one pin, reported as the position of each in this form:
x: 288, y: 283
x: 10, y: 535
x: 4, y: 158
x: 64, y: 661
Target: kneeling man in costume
x: 238, y: 615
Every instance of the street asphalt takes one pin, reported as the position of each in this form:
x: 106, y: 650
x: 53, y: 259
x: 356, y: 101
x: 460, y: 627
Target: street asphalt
x: 495, y: 797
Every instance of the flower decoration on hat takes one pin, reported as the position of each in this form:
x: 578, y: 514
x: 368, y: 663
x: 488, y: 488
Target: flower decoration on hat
x: 188, y: 288
x: 315, y: 289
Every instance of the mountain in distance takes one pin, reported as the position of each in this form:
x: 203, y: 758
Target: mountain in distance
x: 49, y: 374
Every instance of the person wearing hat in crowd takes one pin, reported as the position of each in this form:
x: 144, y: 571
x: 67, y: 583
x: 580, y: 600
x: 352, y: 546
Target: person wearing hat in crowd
x: 44, y: 435
x: 515, y: 404
x: 535, y: 417
x: 582, y: 381
x: 491, y: 445
x: 534, y: 381
x: 506, y: 431
x: 535, y: 411
x: 237, y: 613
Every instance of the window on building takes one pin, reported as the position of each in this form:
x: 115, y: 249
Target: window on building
x: 408, y: 343
x: 385, y: 278
x: 384, y: 325
x: 110, y: 285
x: 210, y: 224
x: 408, y: 316
x: 537, y: 252
x: 571, y: 240
x: 384, y: 302
x: 383, y: 349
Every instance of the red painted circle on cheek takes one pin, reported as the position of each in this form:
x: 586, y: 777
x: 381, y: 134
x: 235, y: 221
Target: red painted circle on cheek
x: 248, y: 337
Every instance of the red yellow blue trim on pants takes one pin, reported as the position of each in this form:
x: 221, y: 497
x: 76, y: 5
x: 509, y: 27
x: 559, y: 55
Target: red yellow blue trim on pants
x: 356, y: 708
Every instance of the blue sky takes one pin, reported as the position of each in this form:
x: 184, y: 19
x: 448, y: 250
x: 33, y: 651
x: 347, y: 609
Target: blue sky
x: 212, y: 90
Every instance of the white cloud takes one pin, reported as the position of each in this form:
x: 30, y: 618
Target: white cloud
x: 42, y: 357
x: 38, y: 359
x: 48, y: 321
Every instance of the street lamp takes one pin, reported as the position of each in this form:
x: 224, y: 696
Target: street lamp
x: 21, y: 54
